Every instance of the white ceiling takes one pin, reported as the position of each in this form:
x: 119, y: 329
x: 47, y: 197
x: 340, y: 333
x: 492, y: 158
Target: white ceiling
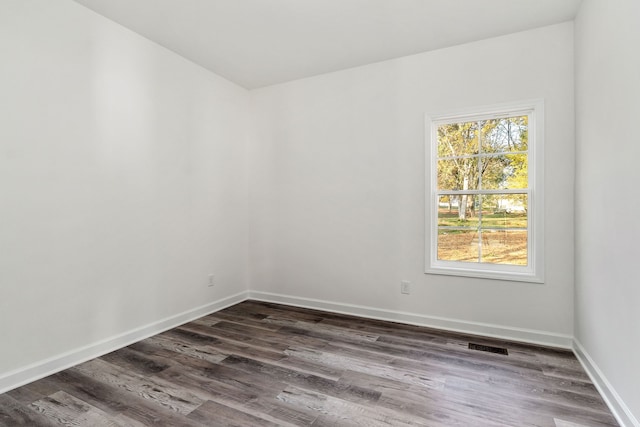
x: 257, y: 43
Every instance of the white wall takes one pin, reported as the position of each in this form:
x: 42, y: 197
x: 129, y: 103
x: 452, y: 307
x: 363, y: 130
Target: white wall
x: 122, y: 181
x: 337, y: 181
x: 607, y: 204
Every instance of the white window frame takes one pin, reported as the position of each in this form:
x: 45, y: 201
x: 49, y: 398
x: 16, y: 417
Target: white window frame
x: 534, y: 270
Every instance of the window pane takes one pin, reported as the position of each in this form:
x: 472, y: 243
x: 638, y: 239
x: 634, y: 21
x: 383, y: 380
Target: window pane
x: 504, y: 247
x: 504, y: 134
x: 501, y: 214
x: 458, y: 245
x: 502, y: 211
x: 458, y: 139
x: 506, y: 171
x: 458, y: 174
x: 450, y: 214
x: 458, y: 228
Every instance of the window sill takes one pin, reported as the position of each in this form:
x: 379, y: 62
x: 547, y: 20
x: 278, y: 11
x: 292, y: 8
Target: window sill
x: 512, y: 276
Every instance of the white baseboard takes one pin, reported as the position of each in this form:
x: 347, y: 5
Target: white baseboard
x: 66, y: 360
x: 474, y: 328
x: 71, y: 358
x: 613, y: 400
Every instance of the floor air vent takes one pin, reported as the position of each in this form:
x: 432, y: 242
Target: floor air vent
x: 488, y: 348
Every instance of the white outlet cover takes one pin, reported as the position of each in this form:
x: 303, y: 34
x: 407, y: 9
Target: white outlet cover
x: 405, y: 287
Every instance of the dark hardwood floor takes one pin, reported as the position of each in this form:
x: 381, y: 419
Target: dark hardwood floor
x: 260, y: 364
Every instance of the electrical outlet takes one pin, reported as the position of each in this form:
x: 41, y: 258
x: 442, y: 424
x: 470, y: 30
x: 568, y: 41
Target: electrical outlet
x: 212, y: 280
x: 405, y: 287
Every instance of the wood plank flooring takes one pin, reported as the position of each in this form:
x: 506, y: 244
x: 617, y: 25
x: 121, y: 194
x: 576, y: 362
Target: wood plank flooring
x: 260, y: 364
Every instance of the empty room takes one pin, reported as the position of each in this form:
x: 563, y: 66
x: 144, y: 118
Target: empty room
x: 319, y: 213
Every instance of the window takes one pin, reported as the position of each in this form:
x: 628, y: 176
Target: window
x: 485, y: 205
